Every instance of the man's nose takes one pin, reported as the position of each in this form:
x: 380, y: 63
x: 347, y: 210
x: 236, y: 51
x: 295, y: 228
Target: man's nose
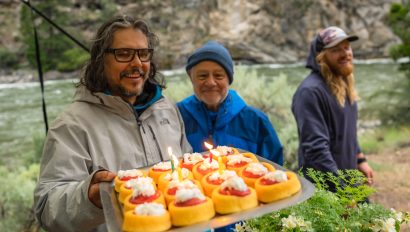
x: 136, y: 60
x: 211, y: 80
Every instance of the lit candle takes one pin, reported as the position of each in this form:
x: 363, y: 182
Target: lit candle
x: 179, y: 173
x: 209, y: 146
x: 220, y: 165
x: 171, y: 158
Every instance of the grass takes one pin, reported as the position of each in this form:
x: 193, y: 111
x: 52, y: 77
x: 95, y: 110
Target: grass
x: 384, y: 138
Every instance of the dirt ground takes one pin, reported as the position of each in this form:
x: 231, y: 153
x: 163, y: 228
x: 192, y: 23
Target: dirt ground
x: 392, y: 179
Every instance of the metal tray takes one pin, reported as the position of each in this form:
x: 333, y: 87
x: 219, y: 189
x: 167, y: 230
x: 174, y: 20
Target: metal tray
x: 114, y: 215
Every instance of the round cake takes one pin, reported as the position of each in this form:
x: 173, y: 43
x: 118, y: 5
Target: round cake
x: 173, y: 186
x: 213, y: 180
x: 237, y: 162
x: 201, y: 169
x: 190, y: 159
x: 143, y: 192
x: 147, y: 217
x: 253, y: 171
x: 277, y: 185
x: 189, y: 207
x: 233, y: 196
x: 165, y: 178
x: 159, y: 169
x: 125, y: 175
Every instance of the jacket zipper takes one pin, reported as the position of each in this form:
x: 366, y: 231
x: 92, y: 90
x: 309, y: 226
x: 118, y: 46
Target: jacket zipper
x: 156, y: 142
x: 139, y: 123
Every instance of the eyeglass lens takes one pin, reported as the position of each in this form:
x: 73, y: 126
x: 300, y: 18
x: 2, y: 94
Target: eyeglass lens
x: 128, y: 54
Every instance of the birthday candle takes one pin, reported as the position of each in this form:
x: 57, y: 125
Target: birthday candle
x: 220, y: 165
x: 179, y: 174
x: 171, y: 159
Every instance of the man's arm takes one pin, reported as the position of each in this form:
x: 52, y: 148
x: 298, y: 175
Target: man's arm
x: 62, y: 194
x: 365, y: 168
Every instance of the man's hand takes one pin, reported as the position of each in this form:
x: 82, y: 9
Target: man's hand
x: 367, y: 171
x: 94, y: 189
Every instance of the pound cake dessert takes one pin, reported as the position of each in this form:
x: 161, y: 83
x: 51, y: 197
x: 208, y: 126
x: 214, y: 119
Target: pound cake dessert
x: 237, y: 162
x: 253, y: 171
x: 147, y: 217
x: 201, y: 169
x: 190, y: 206
x: 143, y: 192
x: 158, y: 169
x: 190, y: 159
x: 175, y: 185
x: 125, y: 175
x: 277, y: 185
x: 165, y: 178
x: 234, y: 196
x: 213, y: 180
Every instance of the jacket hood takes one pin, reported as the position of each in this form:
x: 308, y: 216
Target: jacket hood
x: 316, y: 46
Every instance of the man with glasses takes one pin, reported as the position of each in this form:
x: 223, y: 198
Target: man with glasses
x: 119, y: 120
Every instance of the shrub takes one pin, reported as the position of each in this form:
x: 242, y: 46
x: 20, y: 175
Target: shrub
x: 327, y: 211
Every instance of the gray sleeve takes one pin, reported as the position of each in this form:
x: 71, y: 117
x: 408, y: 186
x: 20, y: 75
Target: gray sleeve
x: 61, y: 196
x: 185, y: 146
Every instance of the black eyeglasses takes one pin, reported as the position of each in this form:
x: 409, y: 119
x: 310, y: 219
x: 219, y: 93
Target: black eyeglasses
x: 124, y: 55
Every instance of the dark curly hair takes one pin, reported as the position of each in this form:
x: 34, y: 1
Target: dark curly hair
x: 93, y: 77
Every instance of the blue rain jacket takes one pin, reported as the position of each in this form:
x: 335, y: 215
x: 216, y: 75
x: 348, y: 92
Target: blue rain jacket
x: 236, y: 125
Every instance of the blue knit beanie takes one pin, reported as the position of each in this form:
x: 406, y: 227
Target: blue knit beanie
x: 212, y: 51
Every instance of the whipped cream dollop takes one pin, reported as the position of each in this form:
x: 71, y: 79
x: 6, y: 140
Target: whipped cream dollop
x: 186, y: 194
x: 224, y: 150
x: 185, y: 184
x: 193, y: 158
x: 235, y: 159
x: 236, y: 183
x: 225, y: 175
x: 150, y: 209
x: 206, y: 164
x: 129, y: 173
x: 143, y: 186
x: 174, y: 175
x: 163, y: 166
x: 257, y: 169
x: 278, y: 176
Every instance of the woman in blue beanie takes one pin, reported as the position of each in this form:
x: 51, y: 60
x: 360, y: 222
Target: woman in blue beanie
x: 218, y: 114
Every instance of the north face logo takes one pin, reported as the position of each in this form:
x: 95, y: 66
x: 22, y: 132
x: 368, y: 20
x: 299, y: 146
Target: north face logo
x: 164, y: 121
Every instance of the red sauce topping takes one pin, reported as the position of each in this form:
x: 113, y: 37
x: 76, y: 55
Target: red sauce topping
x: 187, y: 166
x: 160, y: 170
x: 215, y: 182
x: 206, y: 171
x: 238, y: 165
x: 142, y: 199
x: 172, y: 191
x: 190, y: 202
x: 235, y: 192
x: 268, y: 182
x: 125, y: 178
x: 250, y: 174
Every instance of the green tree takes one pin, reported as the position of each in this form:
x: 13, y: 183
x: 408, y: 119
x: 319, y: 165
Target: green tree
x: 399, y: 20
x: 54, y: 46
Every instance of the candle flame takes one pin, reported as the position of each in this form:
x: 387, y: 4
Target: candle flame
x: 209, y: 146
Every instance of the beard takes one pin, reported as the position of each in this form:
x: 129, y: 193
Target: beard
x: 134, y: 92
x: 341, y: 70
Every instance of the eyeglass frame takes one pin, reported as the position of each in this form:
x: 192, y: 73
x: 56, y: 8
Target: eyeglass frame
x: 135, y: 50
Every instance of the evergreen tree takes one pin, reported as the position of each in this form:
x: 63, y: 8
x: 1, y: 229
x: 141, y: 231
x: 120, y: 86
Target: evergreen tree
x: 399, y: 20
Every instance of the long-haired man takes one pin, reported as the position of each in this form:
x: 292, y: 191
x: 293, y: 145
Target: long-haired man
x: 325, y: 107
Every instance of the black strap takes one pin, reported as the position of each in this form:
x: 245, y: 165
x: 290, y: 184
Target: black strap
x: 40, y: 71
